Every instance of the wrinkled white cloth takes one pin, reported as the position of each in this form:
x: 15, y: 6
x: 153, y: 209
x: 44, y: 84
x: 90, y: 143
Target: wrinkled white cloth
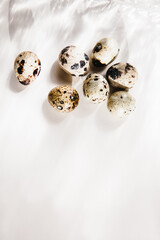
x: 84, y: 175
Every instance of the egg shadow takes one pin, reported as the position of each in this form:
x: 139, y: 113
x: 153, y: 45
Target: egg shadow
x: 96, y: 69
x: 114, y: 89
x: 58, y: 76
x: 51, y: 114
x: 105, y: 121
x: 14, y: 84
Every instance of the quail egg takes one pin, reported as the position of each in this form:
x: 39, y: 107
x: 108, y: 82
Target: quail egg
x: 121, y: 104
x: 122, y: 75
x: 104, y: 52
x: 74, y: 61
x: 27, y: 67
x: 96, y: 88
x: 63, y: 98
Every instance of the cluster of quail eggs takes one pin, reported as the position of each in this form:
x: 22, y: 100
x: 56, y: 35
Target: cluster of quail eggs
x: 96, y: 88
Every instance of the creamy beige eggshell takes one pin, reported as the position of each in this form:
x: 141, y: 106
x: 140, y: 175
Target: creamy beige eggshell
x: 121, y: 104
x: 104, y: 52
x: 96, y: 88
x: 74, y: 61
x: 63, y: 98
x: 27, y: 67
x: 122, y: 75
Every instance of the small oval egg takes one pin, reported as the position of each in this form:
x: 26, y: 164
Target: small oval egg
x: 104, y: 52
x: 27, y: 67
x: 122, y: 75
x: 96, y: 88
x: 121, y: 104
x: 63, y: 98
x: 74, y: 61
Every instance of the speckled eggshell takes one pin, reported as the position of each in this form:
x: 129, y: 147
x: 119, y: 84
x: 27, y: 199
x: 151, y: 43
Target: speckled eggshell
x: 121, y: 104
x: 96, y: 88
x: 63, y: 98
x: 122, y: 75
x: 27, y: 67
x: 74, y: 61
x: 104, y: 52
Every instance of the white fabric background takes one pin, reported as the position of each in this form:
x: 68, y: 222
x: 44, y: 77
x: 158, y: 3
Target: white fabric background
x: 84, y: 175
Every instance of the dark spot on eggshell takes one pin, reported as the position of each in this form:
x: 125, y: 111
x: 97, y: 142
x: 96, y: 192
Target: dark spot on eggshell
x: 85, y: 69
x: 75, y: 66
x: 20, y: 55
x: 97, y: 48
x: 114, y: 73
x: 64, y: 50
x: 81, y: 75
x: 22, y: 62
x: 39, y: 62
x: 82, y: 63
x: 86, y: 57
x: 95, y: 79
x: 53, y: 102
x: 73, y: 106
x: 128, y: 67
x: 73, y: 75
x: 133, y: 76
x: 67, y: 55
x: 26, y: 81
x: 64, y: 92
x: 97, y: 63
x: 101, y: 90
x: 39, y: 71
x: 63, y: 61
x: 50, y: 95
x: 35, y: 72
x: 73, y: 97
x: 20, y: 70
x: 18, y: 61
x: 61, y: 102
